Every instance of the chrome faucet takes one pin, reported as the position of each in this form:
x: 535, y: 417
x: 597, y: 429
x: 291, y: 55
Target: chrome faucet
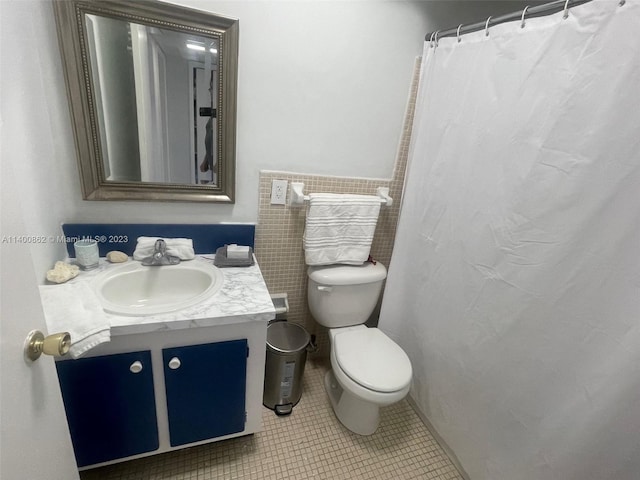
x: 160, y: 256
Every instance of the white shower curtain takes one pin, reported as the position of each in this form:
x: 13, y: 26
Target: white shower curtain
x: 514, y: 285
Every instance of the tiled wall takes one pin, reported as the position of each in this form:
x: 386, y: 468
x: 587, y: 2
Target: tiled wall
x: 278, y: 242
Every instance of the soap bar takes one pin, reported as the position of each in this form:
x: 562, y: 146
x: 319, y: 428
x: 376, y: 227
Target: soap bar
x: 222, y: 260
x: 115, y: 256
x: 237, y: 251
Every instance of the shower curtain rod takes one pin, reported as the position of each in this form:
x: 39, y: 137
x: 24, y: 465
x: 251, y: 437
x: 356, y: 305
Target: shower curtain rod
x: 531, y: 11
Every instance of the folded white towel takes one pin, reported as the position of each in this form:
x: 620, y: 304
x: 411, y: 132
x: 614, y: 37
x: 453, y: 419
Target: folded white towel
x: 74, y: 308
x: 178, y: 247
x: 339, y: 228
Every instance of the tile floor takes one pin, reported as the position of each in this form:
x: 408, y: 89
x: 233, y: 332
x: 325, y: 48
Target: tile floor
x: 308, y: 444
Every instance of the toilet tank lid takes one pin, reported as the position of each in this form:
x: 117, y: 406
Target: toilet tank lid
x: 348, y: 274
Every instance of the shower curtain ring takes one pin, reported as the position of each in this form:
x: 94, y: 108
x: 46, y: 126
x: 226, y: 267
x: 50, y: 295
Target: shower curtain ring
x: 566, y: 10
x: 458, y: 33
x: 486, y: 27
x: 431, y: 40
x: 622, y: 2
x: 524, y: 12
x: 436, y: 38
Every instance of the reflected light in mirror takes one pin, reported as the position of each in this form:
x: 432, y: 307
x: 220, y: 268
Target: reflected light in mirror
x: 200, y: 48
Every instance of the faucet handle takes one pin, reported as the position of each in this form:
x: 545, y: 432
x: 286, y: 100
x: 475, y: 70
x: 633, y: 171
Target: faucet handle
x: 160, y: 255
x: 160, y: 246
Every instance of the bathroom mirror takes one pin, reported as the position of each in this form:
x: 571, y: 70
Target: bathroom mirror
x: 152, y: 93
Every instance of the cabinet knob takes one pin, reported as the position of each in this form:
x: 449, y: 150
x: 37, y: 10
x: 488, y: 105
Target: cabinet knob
x: 136, y: 367
x: 174, y: 363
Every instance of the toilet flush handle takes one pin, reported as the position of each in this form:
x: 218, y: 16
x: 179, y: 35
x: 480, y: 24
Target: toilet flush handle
x: 324, y: 288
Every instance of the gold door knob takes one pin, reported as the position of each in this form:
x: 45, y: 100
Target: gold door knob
x: 36, y: 344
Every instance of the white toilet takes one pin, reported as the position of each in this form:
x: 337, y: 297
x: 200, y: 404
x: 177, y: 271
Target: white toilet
x: 369, y: 370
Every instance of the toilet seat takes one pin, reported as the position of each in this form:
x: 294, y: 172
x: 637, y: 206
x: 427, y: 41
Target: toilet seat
x: 371, y: 359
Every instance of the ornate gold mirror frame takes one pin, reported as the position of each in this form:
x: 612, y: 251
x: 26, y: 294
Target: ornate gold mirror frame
x: 72, y: 34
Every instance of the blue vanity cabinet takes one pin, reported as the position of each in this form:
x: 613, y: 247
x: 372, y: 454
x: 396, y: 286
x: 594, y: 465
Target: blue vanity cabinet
x: 205, y: 390
x: 110, y: 406
x: 193, y: 385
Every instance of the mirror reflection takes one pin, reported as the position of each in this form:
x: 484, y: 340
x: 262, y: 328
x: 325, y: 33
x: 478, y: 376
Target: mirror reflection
x: 163, y: 82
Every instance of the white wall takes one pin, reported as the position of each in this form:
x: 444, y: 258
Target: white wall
x: 323, y: 85
x: 322, y: 89
x: 36, y: 127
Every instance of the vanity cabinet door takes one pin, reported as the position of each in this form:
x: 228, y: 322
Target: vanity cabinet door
x: 110, y: 406
x: 205, y: 386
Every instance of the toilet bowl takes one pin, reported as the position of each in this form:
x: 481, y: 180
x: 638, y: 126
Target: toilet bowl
x: 369, y: 370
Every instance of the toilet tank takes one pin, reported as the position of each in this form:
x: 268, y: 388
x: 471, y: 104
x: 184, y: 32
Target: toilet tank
x: 344, y: 295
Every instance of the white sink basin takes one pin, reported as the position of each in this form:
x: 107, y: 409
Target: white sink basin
x: 135, y: 290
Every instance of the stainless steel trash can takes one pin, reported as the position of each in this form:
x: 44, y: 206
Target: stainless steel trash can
x: 286, y: 355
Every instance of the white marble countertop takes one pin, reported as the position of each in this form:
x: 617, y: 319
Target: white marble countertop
x: 243, y: 298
